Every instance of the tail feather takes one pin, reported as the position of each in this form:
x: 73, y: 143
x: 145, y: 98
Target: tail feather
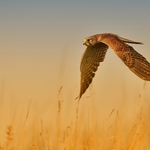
x: 142, y: 70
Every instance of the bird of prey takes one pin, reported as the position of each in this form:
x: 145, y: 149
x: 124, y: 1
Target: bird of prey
x: 95, y: 52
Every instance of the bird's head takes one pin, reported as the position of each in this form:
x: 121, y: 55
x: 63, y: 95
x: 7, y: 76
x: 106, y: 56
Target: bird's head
x: 89, y: 41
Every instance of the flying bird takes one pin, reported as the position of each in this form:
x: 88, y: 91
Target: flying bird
x: 95, y: 52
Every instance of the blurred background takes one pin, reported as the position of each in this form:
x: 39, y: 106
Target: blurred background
x: 41, y: 48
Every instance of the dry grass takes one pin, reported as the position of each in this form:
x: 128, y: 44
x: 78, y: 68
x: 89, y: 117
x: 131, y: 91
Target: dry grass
x: 81, y: 132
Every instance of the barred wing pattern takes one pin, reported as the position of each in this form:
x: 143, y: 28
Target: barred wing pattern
x: 136, y: 63
x: 91, y: 59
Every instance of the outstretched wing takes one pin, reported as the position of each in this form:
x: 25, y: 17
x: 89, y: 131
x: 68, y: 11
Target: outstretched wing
x: 136, y: 62
x: 91, y: 59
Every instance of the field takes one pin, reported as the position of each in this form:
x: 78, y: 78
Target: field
x: 79, y: 127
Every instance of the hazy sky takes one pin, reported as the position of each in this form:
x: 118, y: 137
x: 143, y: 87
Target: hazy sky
x: 41, y: 47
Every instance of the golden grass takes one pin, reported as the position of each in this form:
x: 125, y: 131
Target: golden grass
x: 81, y: 132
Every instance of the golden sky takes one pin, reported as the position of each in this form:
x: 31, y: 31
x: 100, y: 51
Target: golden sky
x: 41, y: 48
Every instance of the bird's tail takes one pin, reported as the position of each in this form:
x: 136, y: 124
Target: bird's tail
x: 129, y: 41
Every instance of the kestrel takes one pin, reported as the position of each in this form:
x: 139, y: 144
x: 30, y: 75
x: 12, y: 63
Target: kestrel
x: 95, y: 52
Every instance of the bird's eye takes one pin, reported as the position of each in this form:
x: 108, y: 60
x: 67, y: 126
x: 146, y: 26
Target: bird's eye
x: 89, y: 40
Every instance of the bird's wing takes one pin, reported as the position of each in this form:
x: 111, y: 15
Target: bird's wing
x: 136, y: 62
x: 91, y: 59
x: 129, y: 41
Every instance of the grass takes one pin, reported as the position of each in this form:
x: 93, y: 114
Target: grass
x: 81, y: 131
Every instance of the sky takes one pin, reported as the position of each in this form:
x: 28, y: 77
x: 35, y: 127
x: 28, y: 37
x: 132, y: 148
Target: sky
x: 41, y: 48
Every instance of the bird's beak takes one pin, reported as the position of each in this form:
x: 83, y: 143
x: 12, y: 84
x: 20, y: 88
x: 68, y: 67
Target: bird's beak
x: 84, y: 42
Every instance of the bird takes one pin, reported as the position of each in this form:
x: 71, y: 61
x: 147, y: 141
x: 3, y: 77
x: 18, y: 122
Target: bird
x: 94, y: 54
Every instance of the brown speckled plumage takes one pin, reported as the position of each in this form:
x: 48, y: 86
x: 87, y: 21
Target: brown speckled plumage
x: 95, y: 52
